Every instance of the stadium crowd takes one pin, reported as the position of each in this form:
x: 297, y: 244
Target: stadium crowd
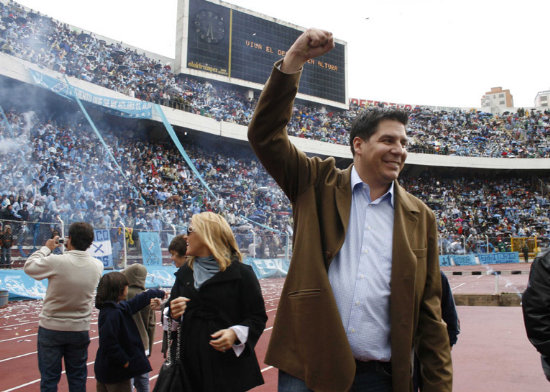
x: 58, y: 167
x: 46, y: 42
x: 61, y: 169
x: 473, y: 211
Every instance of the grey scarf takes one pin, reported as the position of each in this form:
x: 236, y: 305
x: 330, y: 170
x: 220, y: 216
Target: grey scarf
x: 203, y: 269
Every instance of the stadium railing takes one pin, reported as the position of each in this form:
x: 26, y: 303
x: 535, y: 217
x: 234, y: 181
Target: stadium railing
x: 121, y: 246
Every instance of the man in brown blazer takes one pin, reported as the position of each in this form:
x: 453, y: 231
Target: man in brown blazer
x: 363, y: 288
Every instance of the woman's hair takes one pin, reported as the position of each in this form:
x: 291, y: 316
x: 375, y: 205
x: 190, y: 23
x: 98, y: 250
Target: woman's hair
x: 216, y: 234
x: 110, y: 288
x: 178, y: 245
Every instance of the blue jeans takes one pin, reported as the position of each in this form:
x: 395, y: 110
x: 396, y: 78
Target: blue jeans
x: 141, y: 382
x: 6, y: 257
x: 371, y: 381
x: 55, y: 345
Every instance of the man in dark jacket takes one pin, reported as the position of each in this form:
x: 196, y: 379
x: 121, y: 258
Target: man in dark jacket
x: 536, y: 308
x: 450, y: 316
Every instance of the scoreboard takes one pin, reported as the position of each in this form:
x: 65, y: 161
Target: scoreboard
x: 237, y: 44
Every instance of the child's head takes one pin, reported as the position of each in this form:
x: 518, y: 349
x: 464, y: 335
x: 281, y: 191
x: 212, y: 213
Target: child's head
x: 112, y: 287
x: 177, y: 249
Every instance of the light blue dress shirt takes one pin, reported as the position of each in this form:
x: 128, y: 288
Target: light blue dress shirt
x: 360, y: 273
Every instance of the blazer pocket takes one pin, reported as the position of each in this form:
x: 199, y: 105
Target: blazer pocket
x: 420, y: 253
x: 304, y: 293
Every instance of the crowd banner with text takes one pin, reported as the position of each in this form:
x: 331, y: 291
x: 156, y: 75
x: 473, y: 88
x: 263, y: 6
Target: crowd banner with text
x: 498, y: 257
x: 101, y: 247
x: 445, y: 260
x: 469, y: 259
x: 268, y: 268
x: 120, y: 107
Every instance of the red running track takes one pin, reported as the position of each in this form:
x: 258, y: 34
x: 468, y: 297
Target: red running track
x: 18, y: 358
x: 492, y: 353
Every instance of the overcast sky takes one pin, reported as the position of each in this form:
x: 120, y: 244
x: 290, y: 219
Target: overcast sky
x: 433, y: 52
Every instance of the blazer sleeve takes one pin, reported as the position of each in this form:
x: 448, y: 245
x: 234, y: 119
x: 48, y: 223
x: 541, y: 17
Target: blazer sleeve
x: 269, y: 139
x: 433, y: 348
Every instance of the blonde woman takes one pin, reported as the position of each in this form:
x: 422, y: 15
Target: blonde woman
x: 219, y: 303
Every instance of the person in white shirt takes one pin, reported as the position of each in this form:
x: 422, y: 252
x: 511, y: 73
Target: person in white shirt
x: 64, y: 324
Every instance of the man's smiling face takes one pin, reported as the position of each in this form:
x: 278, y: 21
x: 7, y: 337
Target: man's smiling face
x: 380, y: 158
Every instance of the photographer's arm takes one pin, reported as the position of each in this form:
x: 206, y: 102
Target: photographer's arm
x: 53, y: 243
x: 39, y: 265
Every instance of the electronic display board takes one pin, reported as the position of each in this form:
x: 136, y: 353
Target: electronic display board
x: 208, y: 37
x: 236, y: 44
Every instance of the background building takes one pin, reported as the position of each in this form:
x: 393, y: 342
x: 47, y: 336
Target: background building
x: 542, y: 99
x: 497, y: 101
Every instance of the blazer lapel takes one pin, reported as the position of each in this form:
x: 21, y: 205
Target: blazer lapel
x: 403, y: 258
x: 343, y: 198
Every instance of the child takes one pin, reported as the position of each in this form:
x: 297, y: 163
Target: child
x: 144, y: 319
x: 121, y: 354
x: 177, y: 249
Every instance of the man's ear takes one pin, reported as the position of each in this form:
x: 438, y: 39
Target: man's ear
x: 357, y: 144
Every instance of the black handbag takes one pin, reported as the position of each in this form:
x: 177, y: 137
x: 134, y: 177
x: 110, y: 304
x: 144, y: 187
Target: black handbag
x: 172, y: 376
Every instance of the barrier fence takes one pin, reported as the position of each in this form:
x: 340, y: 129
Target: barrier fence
x: 268, y: 252
x: 479, y: 244
x: 119, y: 246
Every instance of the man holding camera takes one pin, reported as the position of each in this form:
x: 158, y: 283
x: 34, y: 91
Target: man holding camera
x: 63, y: 329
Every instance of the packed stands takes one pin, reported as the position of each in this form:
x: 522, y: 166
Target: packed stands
x: 57, y: 167
x: 54, y: 45
x: 60, y: 168
x: 53, y: 165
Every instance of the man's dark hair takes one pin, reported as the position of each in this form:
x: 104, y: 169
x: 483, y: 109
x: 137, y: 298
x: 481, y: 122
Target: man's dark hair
x: 110, y: 288
x: 81, y: 234
x: 178, y: 245
x: 366, y: 122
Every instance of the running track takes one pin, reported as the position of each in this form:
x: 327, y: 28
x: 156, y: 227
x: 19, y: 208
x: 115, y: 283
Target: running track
x: 492, y: 354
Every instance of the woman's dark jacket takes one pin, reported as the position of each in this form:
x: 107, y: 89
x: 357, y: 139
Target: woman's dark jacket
x: 230, y: 297
x: 119, y: 340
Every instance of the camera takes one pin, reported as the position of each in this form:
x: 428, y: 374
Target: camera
x: 61, y: 240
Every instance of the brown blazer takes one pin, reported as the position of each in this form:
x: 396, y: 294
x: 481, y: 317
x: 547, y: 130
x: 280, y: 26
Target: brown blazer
x: 308, y: 339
